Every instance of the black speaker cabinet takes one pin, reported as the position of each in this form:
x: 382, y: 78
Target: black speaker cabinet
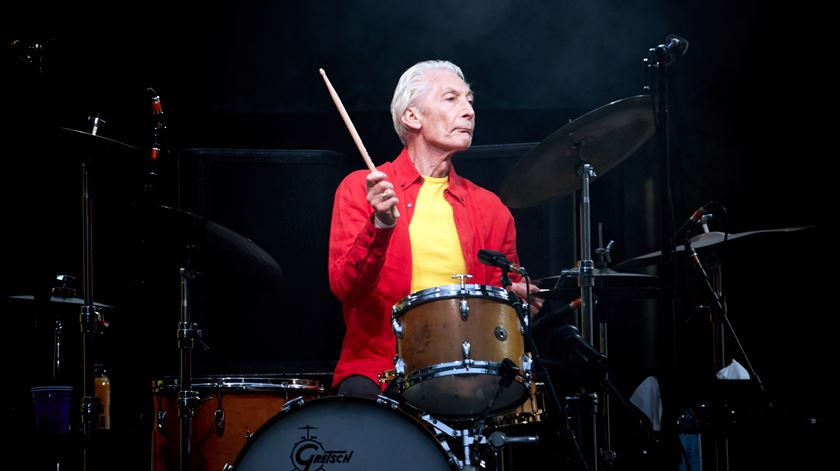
x: 282, y: 201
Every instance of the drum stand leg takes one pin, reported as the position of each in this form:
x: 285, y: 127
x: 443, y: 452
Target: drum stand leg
x: 469, y: 438
x: 187, y: 396
x: 87, y: 320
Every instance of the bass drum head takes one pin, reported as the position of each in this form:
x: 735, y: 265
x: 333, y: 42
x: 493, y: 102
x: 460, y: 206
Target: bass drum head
x: 342, y: 433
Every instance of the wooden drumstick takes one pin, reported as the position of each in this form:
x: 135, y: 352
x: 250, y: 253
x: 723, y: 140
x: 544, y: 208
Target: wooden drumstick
x: 352, y: 129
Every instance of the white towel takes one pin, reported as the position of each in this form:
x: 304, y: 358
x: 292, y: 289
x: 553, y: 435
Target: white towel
x: 649, y: 400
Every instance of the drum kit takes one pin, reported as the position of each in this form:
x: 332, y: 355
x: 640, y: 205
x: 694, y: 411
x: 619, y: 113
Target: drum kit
x: 467, y: 382
x: 469, y: 378
x: 465, y: 358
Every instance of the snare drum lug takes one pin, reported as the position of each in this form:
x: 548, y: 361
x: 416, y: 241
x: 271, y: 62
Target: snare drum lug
x: 500, y: 333
x: 399, y: 366
x: 397, y: 326
x: 465, y: 309
x: 526, y: 365
x: 219, y: 417
x: 466, y: 348
x: 160, y: 421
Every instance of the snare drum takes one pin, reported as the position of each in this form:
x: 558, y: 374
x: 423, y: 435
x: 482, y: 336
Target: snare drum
x: 229, y: 411
x: 452, y: 343
x: 529, y: 412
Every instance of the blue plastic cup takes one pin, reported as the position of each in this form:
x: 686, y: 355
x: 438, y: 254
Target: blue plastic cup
x: 52, y: 409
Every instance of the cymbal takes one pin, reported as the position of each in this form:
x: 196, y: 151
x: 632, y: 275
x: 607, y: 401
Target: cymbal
x: 80, y: 139
x: 61, y: 300
x: 606, y: 135
x: 227, y: 247
x: 705, y: 239
x: 607, y: 282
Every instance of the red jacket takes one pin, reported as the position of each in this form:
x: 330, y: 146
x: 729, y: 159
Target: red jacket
x: 370, y: 268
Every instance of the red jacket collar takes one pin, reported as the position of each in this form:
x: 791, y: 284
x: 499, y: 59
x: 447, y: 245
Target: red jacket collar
x: 406, y: 174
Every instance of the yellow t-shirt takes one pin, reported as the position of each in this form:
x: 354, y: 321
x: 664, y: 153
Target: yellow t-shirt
x: 436, y: 252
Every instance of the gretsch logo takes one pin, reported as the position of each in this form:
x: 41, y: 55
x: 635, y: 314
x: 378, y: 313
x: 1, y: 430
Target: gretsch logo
x: 309, y: 454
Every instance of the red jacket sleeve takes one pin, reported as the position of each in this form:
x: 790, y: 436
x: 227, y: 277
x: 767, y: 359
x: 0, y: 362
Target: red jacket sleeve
x: 357, y: 247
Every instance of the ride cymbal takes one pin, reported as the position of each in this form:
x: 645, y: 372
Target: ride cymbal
x: 705, y: 239
x: 602, y: 137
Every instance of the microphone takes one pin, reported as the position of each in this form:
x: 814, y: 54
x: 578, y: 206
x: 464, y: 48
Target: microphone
x: 558, y: 315
x: 674, y: 46
x: 498, y: 259
x: 577, y: 354
x: 695, y: 218
x: 157, y: 110
x: 157, y: 114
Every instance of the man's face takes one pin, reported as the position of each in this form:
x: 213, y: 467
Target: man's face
x: 446, y: 114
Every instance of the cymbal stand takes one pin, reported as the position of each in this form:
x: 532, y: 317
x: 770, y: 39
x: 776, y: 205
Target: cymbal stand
x: 187, y: 397
x: 87, y: 317
x: 585, y: 280
x: 541, y: 364
x: 604, y: 258
x: 586, y: 274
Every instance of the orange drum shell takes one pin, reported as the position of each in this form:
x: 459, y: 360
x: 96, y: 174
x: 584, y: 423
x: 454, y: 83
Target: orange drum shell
x: 244, y: 413
x: 434, y: 333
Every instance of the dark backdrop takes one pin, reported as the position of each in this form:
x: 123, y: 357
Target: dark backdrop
x: 241, y: 82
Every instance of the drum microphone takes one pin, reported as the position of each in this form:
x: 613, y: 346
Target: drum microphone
x: 498, y: 259
x: 157, y: 110
x: 674, y: 47
x: 695, y: 218
x: 157, y: 113
x: 556, y: 316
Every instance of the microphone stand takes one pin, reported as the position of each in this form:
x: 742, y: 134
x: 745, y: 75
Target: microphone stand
x: 522, y: 310
x: 721, y: 324
x: 720, y: 313
x: 657, y: 65
x: 87, y: 317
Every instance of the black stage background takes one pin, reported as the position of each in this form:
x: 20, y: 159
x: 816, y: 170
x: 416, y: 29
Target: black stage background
x: 255, y: 144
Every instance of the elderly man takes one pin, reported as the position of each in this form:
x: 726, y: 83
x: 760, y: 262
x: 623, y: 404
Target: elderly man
x: 412, y: 224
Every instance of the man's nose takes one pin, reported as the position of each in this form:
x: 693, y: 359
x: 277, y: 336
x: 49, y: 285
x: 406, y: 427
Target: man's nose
x: 468, y: 112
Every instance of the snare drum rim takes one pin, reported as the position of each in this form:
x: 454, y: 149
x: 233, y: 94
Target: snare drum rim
x: 451, y: 291
x: 244, y: 383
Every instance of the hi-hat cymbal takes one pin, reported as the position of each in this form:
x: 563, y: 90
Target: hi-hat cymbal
x: 61, y: 300
x: 607, y: 282
x: 94, y: 142
x: 699, y: 241
x: 604, y: 136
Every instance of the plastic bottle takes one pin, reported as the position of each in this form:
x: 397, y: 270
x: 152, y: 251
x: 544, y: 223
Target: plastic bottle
x: 102, y: 390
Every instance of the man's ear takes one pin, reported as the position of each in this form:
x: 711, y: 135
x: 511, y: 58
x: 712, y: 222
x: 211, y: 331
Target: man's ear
x: 411, y: 118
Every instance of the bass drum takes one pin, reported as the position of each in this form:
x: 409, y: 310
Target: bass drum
x: 342, y: 433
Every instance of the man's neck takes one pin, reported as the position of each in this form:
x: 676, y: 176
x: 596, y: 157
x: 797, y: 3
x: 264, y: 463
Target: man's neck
x: 429, y: 161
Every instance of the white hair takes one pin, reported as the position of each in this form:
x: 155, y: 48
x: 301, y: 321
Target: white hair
x: 412, y: 88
